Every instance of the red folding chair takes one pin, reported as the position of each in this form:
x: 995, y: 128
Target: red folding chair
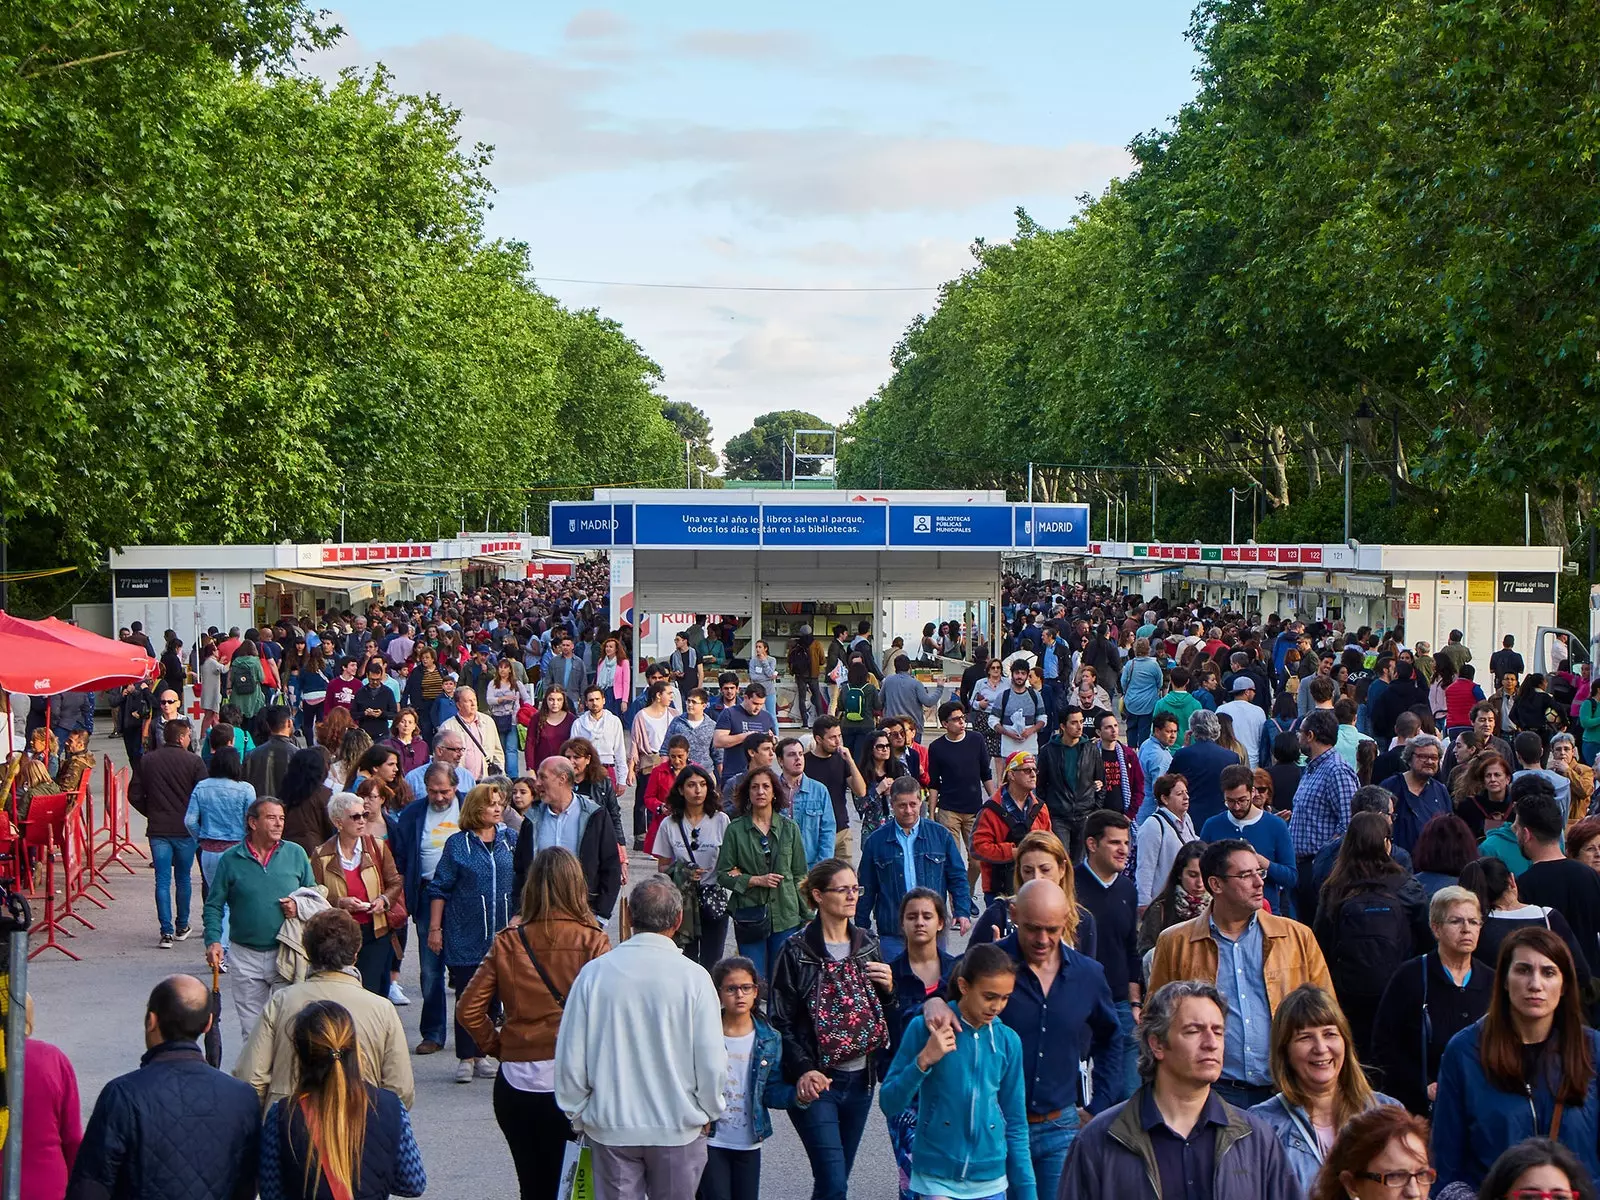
x: 45, y: 831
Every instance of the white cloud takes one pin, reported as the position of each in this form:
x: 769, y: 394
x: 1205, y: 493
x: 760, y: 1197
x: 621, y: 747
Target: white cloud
x: 761, y: 46
x: 596, y: 24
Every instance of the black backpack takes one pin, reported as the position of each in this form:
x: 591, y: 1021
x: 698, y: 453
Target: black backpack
x: 1372, y: 938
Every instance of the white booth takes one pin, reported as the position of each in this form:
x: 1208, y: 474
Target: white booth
x: 188, y: 589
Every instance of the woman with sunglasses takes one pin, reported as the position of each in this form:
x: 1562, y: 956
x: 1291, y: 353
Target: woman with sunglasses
x: 1537, y: 1169
x: 359, y: 875
x: 1526, y: 1070
x: 880, y: 768
x: 686, y: 846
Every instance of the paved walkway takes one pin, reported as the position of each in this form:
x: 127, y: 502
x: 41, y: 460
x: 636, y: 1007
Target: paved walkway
x: 94, y: 1010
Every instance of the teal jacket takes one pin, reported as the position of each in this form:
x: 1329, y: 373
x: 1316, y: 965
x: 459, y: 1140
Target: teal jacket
x: 251, y: 893
x: 972, y: 1117
x: 1501, y: 842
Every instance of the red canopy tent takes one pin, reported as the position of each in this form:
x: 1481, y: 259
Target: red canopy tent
x: 40, y: 658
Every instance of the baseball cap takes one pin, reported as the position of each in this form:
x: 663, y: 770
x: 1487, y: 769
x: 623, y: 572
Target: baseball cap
x: 1020, y: 759
x: 1243, y: 683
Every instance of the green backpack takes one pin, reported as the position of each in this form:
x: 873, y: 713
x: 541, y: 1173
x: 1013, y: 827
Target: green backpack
x: 855, y: 705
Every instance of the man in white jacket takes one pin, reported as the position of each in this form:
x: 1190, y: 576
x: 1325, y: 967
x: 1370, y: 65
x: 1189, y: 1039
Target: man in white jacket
x: 604, y: 732
x: 640, y: 1057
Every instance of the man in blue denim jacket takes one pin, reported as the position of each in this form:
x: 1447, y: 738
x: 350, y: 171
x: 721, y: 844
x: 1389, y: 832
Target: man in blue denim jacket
x: 810, y: 806
x: 902, y: 854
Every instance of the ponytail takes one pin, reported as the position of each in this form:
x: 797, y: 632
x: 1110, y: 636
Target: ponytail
x: 329, y: 1094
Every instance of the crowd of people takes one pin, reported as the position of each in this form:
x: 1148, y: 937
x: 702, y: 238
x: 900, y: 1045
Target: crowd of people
x: 1156, y: 901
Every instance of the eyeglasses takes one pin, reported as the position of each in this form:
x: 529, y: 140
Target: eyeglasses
x: 1542, y: 1194
x: 1394, y: 1180
x: 852, y: 892
x: 1258, y: 873
x: 739, y: 989
x: 1463, y: 922
x: 360, y: 816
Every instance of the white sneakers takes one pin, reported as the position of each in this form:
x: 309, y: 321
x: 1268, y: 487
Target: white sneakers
x: 488, y: 1067
x: 464, y: 1071
x: 397, y: 996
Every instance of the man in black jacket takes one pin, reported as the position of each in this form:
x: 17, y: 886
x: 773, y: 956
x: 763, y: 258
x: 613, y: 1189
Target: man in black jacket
x: 264, y: 767
x: 176, y: 1127
x: 1072, y: 776
x: 159, y: 791
x: 374, y: 706
x: 563, y: 818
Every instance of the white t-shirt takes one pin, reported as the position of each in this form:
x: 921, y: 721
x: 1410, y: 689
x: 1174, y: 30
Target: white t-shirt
x: 669, y: 841
x: 437, y: 826
x: 736, y: 1128
x: 657, y: 729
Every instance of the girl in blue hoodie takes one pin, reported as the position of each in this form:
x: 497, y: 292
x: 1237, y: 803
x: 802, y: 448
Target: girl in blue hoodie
x: 972, y: 1125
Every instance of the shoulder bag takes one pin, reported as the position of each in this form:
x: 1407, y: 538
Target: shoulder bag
x: 713, y: 896
x: 555, y: 992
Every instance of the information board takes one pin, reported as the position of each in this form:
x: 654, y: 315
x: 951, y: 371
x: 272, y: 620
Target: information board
x: 839, y: 526
x: 951, y: 527
x: 1054, y: 526
x: 697, y: 526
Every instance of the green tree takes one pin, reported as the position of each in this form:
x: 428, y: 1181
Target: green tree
x: 762, y: 451
x: 694, y: 427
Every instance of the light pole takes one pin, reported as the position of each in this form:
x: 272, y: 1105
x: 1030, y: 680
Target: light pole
x: 1364, y: 417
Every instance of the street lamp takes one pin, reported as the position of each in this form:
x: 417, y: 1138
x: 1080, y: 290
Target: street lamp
x: 1235, y: 444
x: 1364, y: 417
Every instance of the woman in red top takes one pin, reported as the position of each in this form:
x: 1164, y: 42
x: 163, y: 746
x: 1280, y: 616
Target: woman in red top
x: 51, y: 1125
x: 359, y: 874
x: 551, y: 728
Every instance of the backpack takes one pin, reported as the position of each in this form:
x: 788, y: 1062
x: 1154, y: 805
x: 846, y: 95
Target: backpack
x: 1002, y: 875
x: 1372, y: 938
x: 1033, y: 694
x: 846, y: 1013
x: 241, y: 680
x: 855, y: 705
x: 800, y: 659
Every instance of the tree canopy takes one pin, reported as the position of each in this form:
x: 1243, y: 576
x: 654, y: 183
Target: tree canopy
x: 237, y: 300
x: 1380, y: 209
x: 762, y: 451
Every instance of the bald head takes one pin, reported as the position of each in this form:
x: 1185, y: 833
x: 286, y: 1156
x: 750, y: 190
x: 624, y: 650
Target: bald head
x: 1040, y: 915
x: 179, y: 1011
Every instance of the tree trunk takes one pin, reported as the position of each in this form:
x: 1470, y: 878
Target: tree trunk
x: 1313, y: 463
x: 1276, y: 485
x: 1553, y: 520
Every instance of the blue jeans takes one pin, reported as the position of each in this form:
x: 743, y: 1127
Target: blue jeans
x: 1048, y: 1143
x: 1124, y: 1055
x: 432, y: 969
x: 208, y: 871
x: 831, y: 1130
x: 765, y: 953
x: 1138, y: 728
x: 173, y: 856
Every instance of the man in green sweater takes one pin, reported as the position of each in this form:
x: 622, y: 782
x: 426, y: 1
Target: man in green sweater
x: 253, y: 880
x: 1180, y: 702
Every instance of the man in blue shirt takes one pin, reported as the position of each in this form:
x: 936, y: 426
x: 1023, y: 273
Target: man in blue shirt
x: 1061, y: 1011
x: 902, y: 854
x: 735, y: 723
x: 1113, y: 900
x: 1267, y: 832
x: 810, y: 806
x: 448, y: 747
x: 1050, y: 672
x: 1155, y: 760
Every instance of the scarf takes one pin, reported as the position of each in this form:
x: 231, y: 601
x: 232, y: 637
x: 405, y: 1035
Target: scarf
x: 1186, y: 907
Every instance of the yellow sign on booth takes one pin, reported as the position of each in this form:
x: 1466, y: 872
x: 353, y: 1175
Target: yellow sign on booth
x: 1480, y: 587
x: 182, y: 584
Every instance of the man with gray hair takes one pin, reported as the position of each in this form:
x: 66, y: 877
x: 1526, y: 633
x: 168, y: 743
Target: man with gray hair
x: 640, y: 1058
x: 1201, y: 762
x: 561, y: 817
x: 448, y: 747
x: 1175, y: 1121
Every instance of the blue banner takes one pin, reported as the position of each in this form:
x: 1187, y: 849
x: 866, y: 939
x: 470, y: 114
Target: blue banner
x: 833, y: 526
x: 697, y: 526
x: 950, y: 527
x: 580, y: 526
x: 1058, y: 526
x: 622, y: 524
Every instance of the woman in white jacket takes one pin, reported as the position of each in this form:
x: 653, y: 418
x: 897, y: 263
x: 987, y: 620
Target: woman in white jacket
x: 1162, y: 835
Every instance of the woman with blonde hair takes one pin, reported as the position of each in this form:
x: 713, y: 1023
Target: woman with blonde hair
x: 1321, y: 1085
x: 528, y: 971
x: 1040, y: 855
x: 336, y: 1134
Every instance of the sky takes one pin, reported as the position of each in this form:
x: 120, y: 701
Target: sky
x: 842, y: 147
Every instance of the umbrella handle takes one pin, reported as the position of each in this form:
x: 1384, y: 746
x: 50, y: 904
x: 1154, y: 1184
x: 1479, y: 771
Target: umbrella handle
x: 216, y: 980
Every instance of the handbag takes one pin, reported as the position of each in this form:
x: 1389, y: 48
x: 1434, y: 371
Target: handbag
x: 396, y: 914
x: 754, y: 924
x: 712, y: 895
